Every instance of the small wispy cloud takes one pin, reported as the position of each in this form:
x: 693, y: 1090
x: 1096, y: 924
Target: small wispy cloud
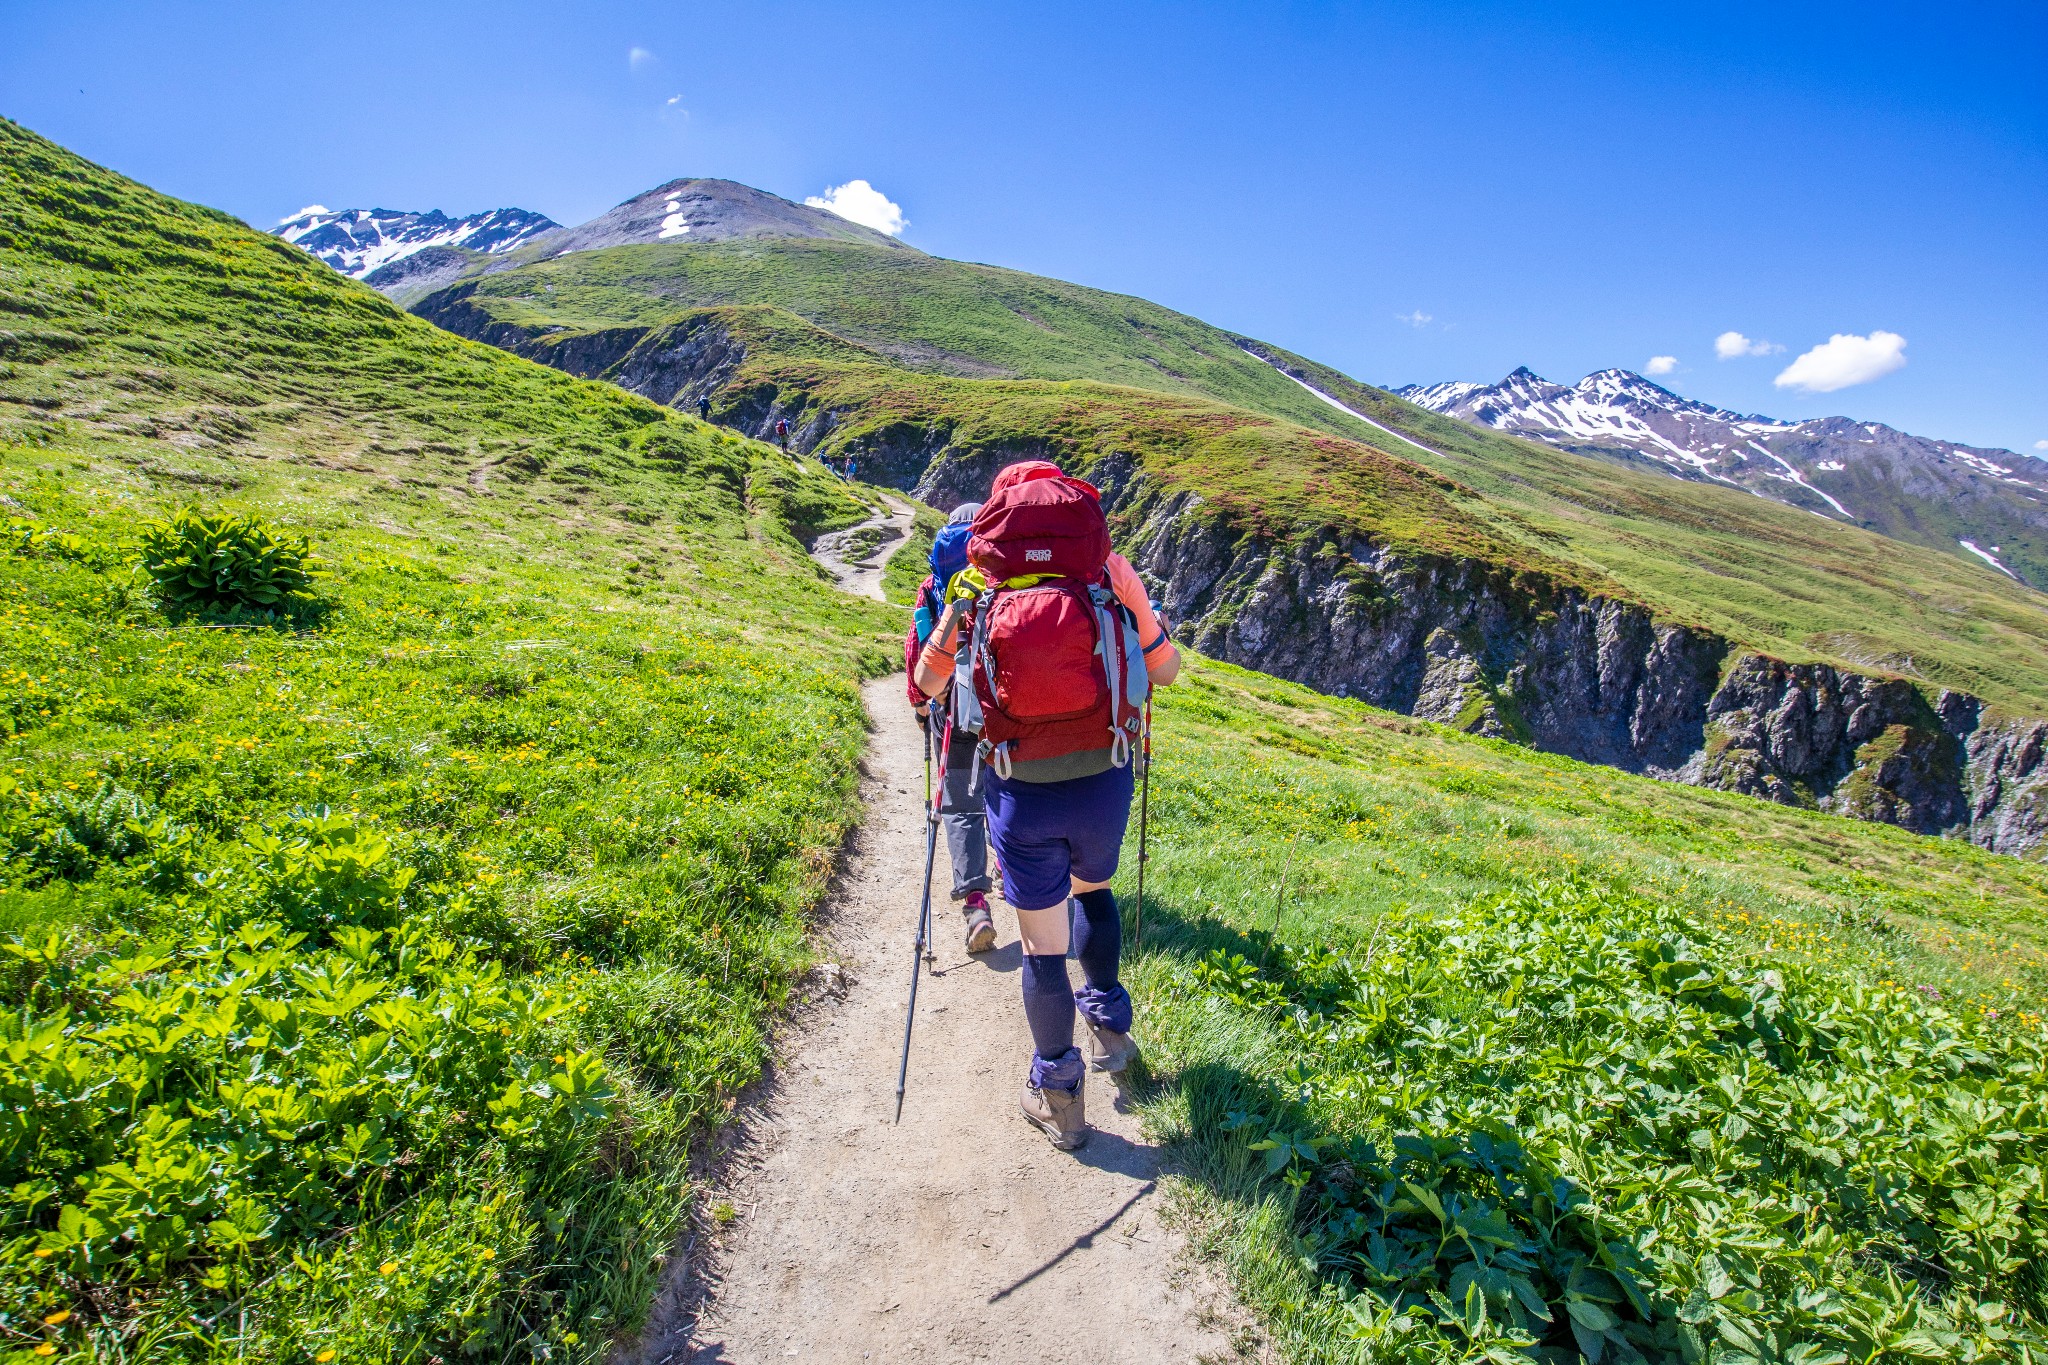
x: 639, y: 58
x: 675, y: 99
x: 2041, y: 445
x: 1733, y: 345
x: 1845, y: 359
x: 859, y: 202
x: 1418, y: 318
x: 1661, y: 364
x: 305, y: 212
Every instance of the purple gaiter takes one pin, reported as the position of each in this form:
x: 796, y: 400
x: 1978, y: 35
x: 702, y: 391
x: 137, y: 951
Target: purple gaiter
x: 1049, y: 1009
x: 1098, y: 942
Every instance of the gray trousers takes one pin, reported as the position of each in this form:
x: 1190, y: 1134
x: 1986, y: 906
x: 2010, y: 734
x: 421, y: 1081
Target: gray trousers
x: 966, y: 824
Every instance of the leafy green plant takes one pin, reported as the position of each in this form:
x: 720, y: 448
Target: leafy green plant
x: 1567, y: 1122
x: 229, y: 567
x: 27, y: 537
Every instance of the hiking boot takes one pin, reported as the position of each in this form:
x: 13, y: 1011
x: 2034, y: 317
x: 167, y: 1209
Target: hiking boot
x: 1111, y: 1051
x: 1057, y: 1113
x: 981, y: 926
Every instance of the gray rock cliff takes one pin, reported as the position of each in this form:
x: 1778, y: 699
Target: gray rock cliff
x: 1470, y: 645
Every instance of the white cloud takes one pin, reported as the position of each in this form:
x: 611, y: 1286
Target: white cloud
x: 675, y: 99
x: 2041, y: 445
x: 309, y: 209
x: 1418, y: 318
x: 859, y: 202
x: 1845, y: 359
x: 1661, y: 364
x: 1731, y: 345
x: 638, y: 58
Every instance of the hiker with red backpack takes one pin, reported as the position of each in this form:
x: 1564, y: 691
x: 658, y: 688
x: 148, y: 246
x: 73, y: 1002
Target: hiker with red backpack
x: 1061, y: 648
x: 960, y: 806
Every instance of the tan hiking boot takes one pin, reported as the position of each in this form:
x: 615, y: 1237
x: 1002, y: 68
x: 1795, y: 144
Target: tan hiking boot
x: 1110, y: 1051
x: 981, y: 926
x: 1058, y: 1113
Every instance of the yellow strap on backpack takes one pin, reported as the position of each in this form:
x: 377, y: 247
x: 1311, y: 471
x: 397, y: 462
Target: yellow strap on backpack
x: 970, y: 583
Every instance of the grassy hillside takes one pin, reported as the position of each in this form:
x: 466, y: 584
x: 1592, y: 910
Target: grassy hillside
x: 378, y: 955
x: 378, y: 968
x: 1780, y: 580
x: 1768, y: 577
x: 954, y: 343
x: 1471, y: 1053
x: 924, y: 312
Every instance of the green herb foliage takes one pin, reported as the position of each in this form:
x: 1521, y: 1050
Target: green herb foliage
x: 1472, y: 1056
x: 378, y: 972
x: 228, y: 568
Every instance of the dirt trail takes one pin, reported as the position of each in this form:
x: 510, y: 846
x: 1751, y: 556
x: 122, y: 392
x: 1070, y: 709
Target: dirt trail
x: 863, y: 576
x: 960, y: 1235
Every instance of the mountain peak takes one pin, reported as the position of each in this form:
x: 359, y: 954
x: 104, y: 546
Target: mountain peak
x: 1936, y: 493
x: 709, y: 210
x: 359, y: 241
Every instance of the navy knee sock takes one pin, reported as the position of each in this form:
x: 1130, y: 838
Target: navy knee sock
x: 1098, y: 938
x: 1049, y: 1004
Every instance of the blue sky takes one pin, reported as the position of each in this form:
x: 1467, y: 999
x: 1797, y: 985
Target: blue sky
x: 1409, y: 192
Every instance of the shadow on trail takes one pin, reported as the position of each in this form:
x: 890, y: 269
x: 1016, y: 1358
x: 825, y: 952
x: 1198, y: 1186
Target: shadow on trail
x: 1006, y: 959
x: 1085, y: 1240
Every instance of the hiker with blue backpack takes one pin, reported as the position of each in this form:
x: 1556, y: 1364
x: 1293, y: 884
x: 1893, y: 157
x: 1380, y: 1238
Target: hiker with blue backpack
x: 1061, y: 648
x: 960, y: 805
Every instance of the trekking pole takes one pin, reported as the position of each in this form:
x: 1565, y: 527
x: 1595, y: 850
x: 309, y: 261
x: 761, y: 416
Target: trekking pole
x: 1144, y: 810
x: 924, y: 917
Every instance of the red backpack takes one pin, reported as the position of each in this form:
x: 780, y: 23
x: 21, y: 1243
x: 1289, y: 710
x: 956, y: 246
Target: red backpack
x: 1055, y: 659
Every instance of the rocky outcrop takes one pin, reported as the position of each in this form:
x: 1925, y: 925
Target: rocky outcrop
x: 1504, y: 655
x: 1492, y: 651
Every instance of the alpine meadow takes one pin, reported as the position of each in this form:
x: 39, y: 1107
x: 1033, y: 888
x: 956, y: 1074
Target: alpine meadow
x: 431, y: 771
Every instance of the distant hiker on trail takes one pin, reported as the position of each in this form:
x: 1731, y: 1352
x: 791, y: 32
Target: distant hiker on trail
x: 960, y: 808
x: 782, y: 432
x: 704, y: 409
x: 1062, y: 649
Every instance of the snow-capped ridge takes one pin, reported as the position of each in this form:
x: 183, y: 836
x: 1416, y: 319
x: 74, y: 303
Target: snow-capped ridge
x: 359, y: 241
x: 1864, y: 473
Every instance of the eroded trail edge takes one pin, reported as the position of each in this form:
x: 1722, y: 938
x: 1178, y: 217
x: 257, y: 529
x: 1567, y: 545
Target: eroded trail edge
x: 960, y: 1235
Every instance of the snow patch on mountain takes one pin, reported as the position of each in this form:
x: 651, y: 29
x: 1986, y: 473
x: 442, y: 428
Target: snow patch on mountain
x: 1343, y: 407
x: 358, y: 241
x: 1794, y: 476
x: 1987, y: 557
x: 1935, y: 493
x: 674, y: 222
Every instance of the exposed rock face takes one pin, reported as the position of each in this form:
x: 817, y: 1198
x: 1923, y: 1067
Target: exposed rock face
x: 1983, y: 505
x: 704, y: 211
x: 1467, y: 645
x: 1458, y: 641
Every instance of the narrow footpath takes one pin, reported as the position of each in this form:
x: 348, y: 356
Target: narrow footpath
x: 960, y: 1235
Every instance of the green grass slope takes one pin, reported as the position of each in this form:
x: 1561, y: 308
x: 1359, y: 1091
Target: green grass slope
x: 1777, y: 579
x: 1769, y: 577
x: 1468, y: 1053
x: 372, y: 983
x: 923, y: 312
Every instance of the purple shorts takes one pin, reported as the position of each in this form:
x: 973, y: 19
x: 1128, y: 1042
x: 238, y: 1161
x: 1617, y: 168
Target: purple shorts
x: 1046, y: 833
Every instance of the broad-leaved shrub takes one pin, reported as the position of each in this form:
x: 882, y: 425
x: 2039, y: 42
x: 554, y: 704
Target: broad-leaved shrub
x: 229, y: 567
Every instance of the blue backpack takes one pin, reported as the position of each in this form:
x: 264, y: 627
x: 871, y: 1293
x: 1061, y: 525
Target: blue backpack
x: 949, y: 551
x: 949, y: 556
